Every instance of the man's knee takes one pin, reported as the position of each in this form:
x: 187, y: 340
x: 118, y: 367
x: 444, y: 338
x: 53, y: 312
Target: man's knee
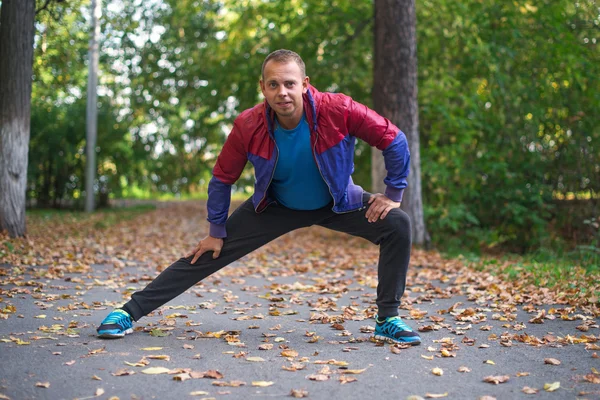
x: 399, y: 222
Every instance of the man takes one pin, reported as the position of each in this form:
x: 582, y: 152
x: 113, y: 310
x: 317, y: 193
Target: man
x: 301, y: 143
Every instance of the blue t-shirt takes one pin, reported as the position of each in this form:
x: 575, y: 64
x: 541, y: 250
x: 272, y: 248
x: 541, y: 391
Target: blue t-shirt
x: 297, y: 182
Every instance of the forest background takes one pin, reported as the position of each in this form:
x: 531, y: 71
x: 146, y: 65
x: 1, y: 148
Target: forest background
x: 508, y: 107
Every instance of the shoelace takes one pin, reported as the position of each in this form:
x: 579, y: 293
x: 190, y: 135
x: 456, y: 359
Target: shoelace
x: 116, y: 318
x: 396, y: 324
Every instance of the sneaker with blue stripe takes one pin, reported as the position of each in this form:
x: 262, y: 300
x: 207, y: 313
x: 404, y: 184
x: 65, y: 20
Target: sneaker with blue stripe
x: 116, y: 325
x: 394, y: 330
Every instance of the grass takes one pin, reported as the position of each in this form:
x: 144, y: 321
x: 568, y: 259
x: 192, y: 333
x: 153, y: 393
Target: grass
x: 565, y: 270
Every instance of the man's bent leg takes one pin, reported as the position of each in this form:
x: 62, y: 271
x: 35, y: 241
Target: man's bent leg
x: 393, y: 235
x: 246, y: 230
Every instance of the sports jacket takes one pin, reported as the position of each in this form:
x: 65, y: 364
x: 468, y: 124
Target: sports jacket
x: 335, y: 121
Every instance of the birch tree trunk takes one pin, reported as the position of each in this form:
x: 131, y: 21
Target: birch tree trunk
x: 395, y: 97
x: 16, y: 64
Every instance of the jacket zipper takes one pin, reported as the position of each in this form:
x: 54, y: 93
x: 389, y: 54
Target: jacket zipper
x: 270, y: 180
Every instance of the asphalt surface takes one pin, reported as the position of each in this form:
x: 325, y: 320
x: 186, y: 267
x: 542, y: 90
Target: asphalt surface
x: 63, y: 349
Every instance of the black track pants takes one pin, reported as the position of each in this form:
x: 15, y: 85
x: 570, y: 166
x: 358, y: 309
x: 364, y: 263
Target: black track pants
x: 248, y: 231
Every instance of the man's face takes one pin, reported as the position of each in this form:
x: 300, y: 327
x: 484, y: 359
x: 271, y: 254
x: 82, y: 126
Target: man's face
x: 283, y: 86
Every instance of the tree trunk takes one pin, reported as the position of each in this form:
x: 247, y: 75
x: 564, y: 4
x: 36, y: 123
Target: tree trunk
x: 16, y: 63
x: 92, y: 109
x: 395, y: 97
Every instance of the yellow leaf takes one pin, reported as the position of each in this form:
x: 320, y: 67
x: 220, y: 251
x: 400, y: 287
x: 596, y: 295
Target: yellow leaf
x: 41, y: 316
x: 151, y: 348
x: 490, y: 362
x: 262, y: 383
x: 551, y: 387
x: 427, y: 357
x: 255, y: 359
x: 437, y: 371
x: 353, y: 371
x: 99, y: 392
x: 436, y: 396
x: 159, y: 357
x: 198, y: 393
x: 155, y: 370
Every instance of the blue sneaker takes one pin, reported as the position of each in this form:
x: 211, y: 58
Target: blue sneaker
x: 116, y: 325
x: 394, y: 330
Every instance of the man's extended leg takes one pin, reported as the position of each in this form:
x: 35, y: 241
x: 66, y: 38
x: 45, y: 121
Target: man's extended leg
x: 393, y: 235
x: 246, y: 230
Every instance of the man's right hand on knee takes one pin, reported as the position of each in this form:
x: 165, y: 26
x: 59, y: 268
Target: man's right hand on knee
x: 209, y: 243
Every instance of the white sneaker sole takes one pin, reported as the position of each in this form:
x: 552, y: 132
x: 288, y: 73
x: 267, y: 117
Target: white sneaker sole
x: 115, y: 335
x: 392, y: 341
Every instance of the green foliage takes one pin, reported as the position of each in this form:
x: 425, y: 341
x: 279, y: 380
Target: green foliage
x: 508, y: 100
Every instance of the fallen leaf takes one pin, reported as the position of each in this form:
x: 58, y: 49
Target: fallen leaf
x: 414, y: 396
x: 551, y: 387
x: 255, y: 359
x: 99, y: 392
x: 69, y: 363
x: 353, y: 371
x: 41, y: 316
x: 464, y: 369
x: 159, y: 357
x: 346, y: 379
x: 489, y: 362
x: 486, y: 398
x: 97, y: 351
x: 96, y: 378
x: 43, y: 384
x: 520, y: 374
x: 123, y: 372
x: 188, y: 346
x: 262, y: 383
x: 298, y: 393
x: 151, y: 348
x: 289, y: 353
x: 198, y: 393
x: 426, y: 357
x: 551, y: 361
x: 265, y: 346
x: 294, y: 367
x: 437, y: 371
x: 528, y: 390
x: 318, y: 377
x: 4, y: 397
x: 182, y: 377
x: 592, y: 378
x: 496, y: 379
x: 436, y: 396
x: 212, y: 374
x: 158, y: 333
x: 155, y: 370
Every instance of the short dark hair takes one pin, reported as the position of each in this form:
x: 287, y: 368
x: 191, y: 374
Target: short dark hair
x: 283, y: 56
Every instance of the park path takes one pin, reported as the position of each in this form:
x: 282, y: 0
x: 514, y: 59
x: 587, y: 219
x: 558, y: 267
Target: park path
x: 293, y: 319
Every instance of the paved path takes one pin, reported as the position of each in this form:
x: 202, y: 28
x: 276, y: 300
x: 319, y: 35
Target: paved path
x: 48, y: 337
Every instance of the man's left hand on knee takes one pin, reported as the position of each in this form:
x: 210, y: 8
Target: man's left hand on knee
x: 379, y: 207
